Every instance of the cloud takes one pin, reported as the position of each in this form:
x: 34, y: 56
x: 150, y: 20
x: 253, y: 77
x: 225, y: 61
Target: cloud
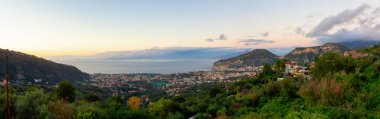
x: 360, y: 24
x: 376, y: 11
x: 313, y: 15
x: 300, y: 31
x: 344, y: 35
x: 155, y: 48
x: 265, y: 34
x: 330, y: 22
x: 221, y: 37
x: 210, y: 40
x: 248, y: 42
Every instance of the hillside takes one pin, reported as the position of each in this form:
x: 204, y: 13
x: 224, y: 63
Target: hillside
x: 308, y: 54
x: 359, y: 44
x: 24, y: 68
x: 257, y: 57
x: 375, y: 50
x: 341, y: 88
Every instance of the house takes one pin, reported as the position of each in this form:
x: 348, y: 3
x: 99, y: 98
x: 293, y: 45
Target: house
x: 290, y: 67
x: 37, y: 80
x: 280, y: 79
x: 294, y: 70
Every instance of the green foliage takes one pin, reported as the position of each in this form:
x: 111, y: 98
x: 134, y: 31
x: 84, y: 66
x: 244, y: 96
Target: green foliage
x: 202, y: 116
x: 268, y: 73
x: 161, y: 108
x: 90, y: 111
x: 267, y: 70
x: 32, y: 104
x: 66, y: 91
x: 304, y: 114
x: 214, y: 90
x: 117, y: 99
x: 91, y: 97
x: 277, y: 106
x: 328, y: 63
x: 61, y: 109
x: 175, y: 115
x: 279, y: 66
x: 373, y: 50
x: 132, y: 114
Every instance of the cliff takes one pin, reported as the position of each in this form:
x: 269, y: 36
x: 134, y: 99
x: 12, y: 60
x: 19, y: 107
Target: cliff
x: 308, y: 54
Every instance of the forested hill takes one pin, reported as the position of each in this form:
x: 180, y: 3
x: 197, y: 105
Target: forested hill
x: 24, y: 67
x: 257, y: 57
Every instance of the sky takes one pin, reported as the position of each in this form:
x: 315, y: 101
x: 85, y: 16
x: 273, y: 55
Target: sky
x: 84, y: 27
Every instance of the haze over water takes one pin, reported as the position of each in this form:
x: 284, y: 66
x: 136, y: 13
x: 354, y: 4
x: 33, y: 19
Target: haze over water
x: 140, y: 66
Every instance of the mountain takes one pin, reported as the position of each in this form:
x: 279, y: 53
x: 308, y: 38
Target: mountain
x: 25, y: 68
x: 235, y: 54
x: 280, y: 51
x: 308, y: 54
x: 375, y: 50
x: 257, y: 57
x: 359, y: 44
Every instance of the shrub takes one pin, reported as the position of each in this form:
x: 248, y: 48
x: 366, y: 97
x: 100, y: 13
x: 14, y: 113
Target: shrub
x: 325, y: 91
x: 66, y: 91
x: 91, y: 97
x: 31, y: 104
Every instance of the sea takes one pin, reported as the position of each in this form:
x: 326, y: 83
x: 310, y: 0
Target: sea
x: 140, y: 66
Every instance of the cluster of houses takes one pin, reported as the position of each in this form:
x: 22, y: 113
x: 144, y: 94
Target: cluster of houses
x: 292, y: 69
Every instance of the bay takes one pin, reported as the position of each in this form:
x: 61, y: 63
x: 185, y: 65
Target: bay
x: 140, y: 66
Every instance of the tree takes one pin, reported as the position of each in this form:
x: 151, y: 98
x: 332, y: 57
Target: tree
x: 175, y: 115
x: 134, y: 102
x: 267, y: 69
x: 279, y: 66
x: 214, y: 91
x: 267, y: 73
x: 29, y: 105
x: 117, y: 99
x: 328, y: 63
x: 91, y: 97
x: 66, y: 91
x: 161, y: 108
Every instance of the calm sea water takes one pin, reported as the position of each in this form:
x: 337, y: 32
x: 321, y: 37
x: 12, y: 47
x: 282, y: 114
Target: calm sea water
x: 140, y: 66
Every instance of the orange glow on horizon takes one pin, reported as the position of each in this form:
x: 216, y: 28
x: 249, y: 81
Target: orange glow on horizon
x: 58, y: 53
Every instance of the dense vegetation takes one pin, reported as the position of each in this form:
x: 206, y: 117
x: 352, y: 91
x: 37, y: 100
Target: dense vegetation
x: 25, y: 68
x: 257, y: 57
x: 341, y: 87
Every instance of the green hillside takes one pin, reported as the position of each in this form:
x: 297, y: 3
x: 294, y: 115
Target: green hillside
x: 257, y: 57
x: 24, y: 67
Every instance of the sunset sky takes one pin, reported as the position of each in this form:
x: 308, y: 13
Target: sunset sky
x: 84, y: 27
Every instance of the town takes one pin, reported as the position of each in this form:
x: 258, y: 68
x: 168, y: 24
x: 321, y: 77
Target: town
x: 177, y: 83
